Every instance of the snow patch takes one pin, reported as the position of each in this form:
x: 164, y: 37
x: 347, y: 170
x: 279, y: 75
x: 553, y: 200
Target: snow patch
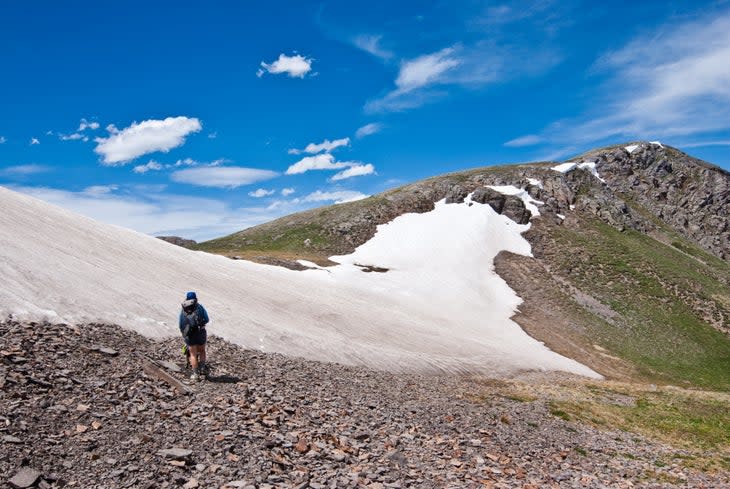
x: 586, y: 165
x: 537, y: 183
x: 656, y: 143
x: 441, y: 306
x: 561, y: 217
x: 530, y: 203
x: 631, y: 148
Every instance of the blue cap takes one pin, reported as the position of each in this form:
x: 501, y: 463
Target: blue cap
x: 191, y: 295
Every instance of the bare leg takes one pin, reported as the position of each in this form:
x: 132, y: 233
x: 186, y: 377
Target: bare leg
x: 195, y: 350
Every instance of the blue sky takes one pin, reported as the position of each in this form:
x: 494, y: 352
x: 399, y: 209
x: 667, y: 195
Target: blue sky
x: 201, y: 119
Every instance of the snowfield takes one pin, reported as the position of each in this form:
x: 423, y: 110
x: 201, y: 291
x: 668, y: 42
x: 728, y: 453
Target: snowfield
x: 439, y: 307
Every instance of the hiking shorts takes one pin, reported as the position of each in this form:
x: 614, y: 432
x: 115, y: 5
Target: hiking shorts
x: 198, y: 338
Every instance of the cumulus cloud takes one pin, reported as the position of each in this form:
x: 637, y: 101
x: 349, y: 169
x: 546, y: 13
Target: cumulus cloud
x: 326, y: 146
x: 324, y: 161
x: 354, y: 171
x: 151, y: 165
x: 84, y: 125
x: 338, y: 196
x: 261, y: 192
x: 529, y: 140
x: 123, y: 146
x: 34, y: 141
x: 368, y: 130
x: 222, y: 176
x: 287, y: 191
x: 294, y: 66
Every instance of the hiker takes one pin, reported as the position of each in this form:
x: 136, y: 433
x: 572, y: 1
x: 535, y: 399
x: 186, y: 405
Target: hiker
x: 193, y: 319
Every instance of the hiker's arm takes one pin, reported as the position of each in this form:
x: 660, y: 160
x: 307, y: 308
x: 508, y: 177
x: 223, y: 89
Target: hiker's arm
x: 204, y: 315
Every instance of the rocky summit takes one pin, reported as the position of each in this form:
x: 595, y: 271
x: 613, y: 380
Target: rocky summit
x: 97, y: 406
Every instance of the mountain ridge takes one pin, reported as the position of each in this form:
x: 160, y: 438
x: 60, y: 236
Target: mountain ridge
x: 637, y: 259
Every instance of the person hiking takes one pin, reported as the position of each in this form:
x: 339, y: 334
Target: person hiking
x: 193, y: 319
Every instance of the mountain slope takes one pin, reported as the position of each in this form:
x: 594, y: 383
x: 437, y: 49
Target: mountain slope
x: 418, y: 316
x: 627, y: 274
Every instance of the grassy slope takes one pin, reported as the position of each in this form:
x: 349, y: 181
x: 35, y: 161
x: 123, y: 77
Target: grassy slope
x: 653, y: 287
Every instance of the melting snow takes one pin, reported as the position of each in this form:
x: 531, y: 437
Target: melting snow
x: 534, y: 181
x: 560, y: 216
x: 656, y: 143
x: 586, y: 165
x: 631, y: 148
x: 522, y: 194
x: 441, y: 307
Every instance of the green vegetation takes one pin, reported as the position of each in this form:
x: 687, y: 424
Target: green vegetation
x: 689, y: 420
x: 281, y: 239
x: 664, y: 296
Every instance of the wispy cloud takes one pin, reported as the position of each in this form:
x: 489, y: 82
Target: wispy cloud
x: 354, y: 171
x: 149, y: 210
x: 337, y: 196
x: 368, y: 130
x: 326, y: 146
x: 34, y: 141
x: 153, y: 165
x: 98, y: 190
x: 222, y: 176
x: 529, y: 140
x: 668, y: 82
x: 123, y: 146
x: 296, y: 66
x: 72, y: 137
x: 3, y: 140
x: 371, y: 44
x: 287, y: 191
x: 23, y: 170
x: 261, y: 192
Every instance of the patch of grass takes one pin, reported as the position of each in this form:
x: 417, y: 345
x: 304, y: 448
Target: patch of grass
x: 691, y: 420
x: 275, y: 239
x: 558, y: 412
x: 581, y: 451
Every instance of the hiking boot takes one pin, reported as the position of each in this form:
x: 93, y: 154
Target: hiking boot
x: 195, y: 377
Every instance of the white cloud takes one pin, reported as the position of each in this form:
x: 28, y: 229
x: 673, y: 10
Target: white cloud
x: 368, y: 130
x: 213, y: 135
x: 23, y: 170
x: 667, y: 82
x: 146, y: 209
x: 222, y: 176
x: 287, y: 191
x: 34, y: 141
x: 261, y: 192
x: 425, y: 70
x: 371, y: 44
x: 145, y: 137
x: 529, y: 140
x: 84, y: 125
x: 324, y: 161
x: 354, y: 171
x: 151, y: 165
x: 294, y: 66
x: 98, y: 190
x: 3, y: 140
x: 326, y: 146
x: 72, y: 137
x: 338, y: 196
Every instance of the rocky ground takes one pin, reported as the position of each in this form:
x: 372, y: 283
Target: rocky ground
x: 77, y: 409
